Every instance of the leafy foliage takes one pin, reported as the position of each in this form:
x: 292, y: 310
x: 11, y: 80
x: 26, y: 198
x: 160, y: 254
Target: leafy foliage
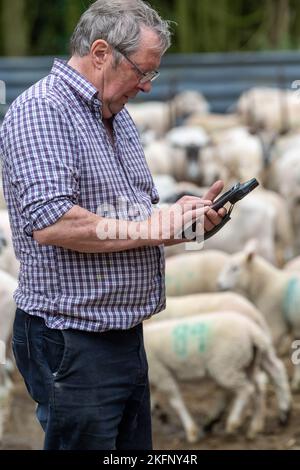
x: 42, y: 27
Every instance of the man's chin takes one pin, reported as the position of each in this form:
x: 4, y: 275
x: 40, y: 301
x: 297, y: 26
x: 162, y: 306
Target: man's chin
x: 112, y: 110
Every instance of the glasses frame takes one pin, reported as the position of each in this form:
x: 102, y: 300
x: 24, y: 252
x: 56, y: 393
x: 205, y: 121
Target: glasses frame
x: 144, y: 76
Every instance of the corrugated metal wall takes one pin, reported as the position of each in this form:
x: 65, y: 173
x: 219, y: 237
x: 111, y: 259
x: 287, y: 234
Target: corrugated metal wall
x: 220, y: 77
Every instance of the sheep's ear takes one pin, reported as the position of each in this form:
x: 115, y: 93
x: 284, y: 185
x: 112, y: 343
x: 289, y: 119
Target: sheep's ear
x: 250, y: 249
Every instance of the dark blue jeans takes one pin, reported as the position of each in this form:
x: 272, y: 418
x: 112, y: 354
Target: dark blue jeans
x: 92, y: 389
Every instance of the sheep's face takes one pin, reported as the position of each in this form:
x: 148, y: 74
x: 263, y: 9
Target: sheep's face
x: 235, y: 274
x: 3, y: 241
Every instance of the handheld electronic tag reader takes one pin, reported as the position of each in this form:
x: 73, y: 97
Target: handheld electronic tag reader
x: 235, y: 194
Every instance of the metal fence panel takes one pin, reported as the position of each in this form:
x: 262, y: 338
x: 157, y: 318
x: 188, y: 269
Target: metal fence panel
x: 220, y: 77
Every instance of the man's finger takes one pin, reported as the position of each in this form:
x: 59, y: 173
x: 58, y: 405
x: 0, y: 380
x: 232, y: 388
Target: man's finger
x: 214, y: 190
x: 213, y: 217
x: 222, y: 212
x: 193, y: 202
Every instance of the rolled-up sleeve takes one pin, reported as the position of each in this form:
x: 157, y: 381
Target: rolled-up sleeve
x: 42, y: 160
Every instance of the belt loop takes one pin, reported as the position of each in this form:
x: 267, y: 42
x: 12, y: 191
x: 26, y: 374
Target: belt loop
x: 27, y: 326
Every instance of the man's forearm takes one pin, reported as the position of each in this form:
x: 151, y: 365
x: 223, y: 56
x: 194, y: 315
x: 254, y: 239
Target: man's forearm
x: 85, y: 232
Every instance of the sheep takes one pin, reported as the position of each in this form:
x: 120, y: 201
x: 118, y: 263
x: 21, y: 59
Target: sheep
x: 165, y: 184
x: 194, y: 304
x: 284, y: 234
x: 8, y: 285
x: 191, y: 273
x: 170, y: 191
x: 8, y: 261
x: 239, y: 152
x: 293, y: 265
x: 162, y: 159
x: 265, y: 212
x: 275, y: 292
x: 250, y: 216
x: 286, y: 174
x: 3, y: 242
x: 186, y: 136
x: 185, y: 306
x: 7, y: 311
x: 182, y: 163
x: 285, y: 143
x: 227, y: 348
x: 192, y: 140
x: 212, y: 122
x: 270, y: 108
x: 160, y: 117
x: 2, y: 200
x: 262, y: 211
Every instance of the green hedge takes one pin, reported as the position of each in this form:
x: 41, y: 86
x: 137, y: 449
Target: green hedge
x: 43, y: 27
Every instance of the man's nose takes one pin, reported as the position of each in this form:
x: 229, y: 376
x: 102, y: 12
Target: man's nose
x: 145, y: 87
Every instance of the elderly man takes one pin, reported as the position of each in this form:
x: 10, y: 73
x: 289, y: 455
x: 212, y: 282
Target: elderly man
x: 70, y: 153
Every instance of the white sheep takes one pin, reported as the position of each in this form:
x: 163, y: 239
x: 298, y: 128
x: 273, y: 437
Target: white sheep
x: 275, y: 292
x: 161, y: 116
x: 227, y: 348
x: 186, y: 136
x: 8, y: 261
x: 264, y: 212
x: 293, y: 265
x: 8, y: 286
x: 194, y: 304
x: 286, y: 172
x: 194, y: 272
x: 239, y: 152
x: 270, y: 108
x: 212, y: 122
x: 163, y: 159
x: 2, y: 200
x: 192, y: 140
x: 250, y: 216
x: 284, y: 234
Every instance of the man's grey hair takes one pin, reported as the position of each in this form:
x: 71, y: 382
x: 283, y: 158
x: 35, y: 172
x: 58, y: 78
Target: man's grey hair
x: 119, y: 23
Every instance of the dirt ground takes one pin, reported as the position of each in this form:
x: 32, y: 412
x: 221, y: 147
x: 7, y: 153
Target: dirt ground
x: 23, y: 432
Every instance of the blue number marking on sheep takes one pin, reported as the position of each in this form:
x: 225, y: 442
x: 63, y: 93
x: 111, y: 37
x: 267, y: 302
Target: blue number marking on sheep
x: 200, y: 331
x: 173, y: 284
x: 184, y: 335
x: 291, y: 301
x: 180, y: 345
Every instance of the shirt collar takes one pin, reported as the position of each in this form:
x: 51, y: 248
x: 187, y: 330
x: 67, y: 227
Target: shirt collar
x: 78, y: 82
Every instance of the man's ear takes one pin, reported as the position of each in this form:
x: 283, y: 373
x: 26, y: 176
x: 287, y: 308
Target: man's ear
x: 99, y: 51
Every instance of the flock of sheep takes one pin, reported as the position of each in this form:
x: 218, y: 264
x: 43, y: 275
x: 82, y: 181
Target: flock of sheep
x: 236, y: 338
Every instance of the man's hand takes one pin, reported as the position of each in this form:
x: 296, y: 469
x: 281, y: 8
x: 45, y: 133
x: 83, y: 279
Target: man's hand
x: 213, y: 218
x: 167, y: 224
x: 78, y: 229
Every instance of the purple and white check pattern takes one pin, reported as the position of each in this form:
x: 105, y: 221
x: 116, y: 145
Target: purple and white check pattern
x: 56, y: 153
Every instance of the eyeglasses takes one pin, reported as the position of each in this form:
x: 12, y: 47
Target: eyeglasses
x: 144, y: 76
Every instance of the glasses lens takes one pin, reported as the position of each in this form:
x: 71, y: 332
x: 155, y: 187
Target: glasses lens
x: 149, y: 77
